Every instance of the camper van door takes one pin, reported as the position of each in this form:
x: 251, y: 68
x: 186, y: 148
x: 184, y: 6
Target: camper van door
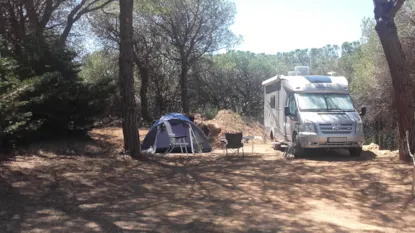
x: 291, y: 119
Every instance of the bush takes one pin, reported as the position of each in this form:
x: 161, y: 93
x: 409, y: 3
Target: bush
x: 210, y: 113
x: 44, y: 95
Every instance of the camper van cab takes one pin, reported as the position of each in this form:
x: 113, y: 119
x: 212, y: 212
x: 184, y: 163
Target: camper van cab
x: 312, y: 111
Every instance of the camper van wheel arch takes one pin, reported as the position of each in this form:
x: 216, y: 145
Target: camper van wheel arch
x: 294, y: 137
x: 298, y: 152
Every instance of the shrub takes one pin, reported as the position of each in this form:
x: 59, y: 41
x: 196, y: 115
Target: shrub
x: 44, y: 96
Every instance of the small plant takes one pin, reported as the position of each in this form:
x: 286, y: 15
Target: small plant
x: 210, y: 113
x: 237, y: 116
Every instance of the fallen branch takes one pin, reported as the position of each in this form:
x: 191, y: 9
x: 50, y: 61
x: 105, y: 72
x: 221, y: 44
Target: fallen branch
x: 413, y: 163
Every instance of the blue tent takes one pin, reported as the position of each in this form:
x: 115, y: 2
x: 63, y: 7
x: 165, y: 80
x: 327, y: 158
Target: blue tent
x: 180, y: 127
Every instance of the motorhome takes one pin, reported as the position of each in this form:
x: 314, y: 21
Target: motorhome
x: 312, y: 111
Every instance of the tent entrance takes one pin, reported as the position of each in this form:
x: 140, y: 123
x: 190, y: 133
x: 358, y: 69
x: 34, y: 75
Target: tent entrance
x: 190, y: 134
x: 158, y: 140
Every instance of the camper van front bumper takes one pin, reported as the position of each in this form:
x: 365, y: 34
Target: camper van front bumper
x: 312, y: 140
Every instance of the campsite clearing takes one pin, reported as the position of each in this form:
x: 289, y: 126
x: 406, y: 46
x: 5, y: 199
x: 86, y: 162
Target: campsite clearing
x: 84, y: 187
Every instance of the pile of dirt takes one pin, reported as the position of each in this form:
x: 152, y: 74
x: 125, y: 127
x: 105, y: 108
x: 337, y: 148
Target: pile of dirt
x: 226, y: 121
x: 375, y: 148
x: 371, y: 146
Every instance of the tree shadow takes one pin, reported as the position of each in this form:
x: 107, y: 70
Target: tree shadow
x: 205, y: 193
x: 11, y: 202
x: 92, y: 145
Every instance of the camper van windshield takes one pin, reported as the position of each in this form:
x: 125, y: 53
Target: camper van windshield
x: 325, y: 102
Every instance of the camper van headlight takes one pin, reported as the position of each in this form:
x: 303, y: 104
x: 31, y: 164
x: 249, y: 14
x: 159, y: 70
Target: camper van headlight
x: 307, y: 126
x: 359, y: 126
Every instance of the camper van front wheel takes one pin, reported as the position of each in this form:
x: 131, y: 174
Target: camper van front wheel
x: 298, y: 150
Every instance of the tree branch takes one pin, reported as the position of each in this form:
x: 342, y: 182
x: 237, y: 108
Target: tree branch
x: 76, y: 14
x: 386, y: 10
x: 49, y: 9
x: 31, y: 13
x: 396, y: 6
x: 87, y: 9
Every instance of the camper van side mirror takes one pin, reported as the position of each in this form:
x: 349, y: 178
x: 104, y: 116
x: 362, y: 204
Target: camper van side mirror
x: 363, y: 111
x: 287, y: 111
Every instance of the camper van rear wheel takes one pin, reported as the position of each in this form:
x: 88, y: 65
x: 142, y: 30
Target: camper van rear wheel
x: 355, y: 152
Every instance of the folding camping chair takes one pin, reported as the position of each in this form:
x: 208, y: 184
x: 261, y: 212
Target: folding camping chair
x: 233, y: 142
x: 175, y: 140
x: 192, y: 138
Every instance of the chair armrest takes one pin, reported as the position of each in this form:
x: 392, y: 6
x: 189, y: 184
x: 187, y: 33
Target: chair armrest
x: 224, y: 141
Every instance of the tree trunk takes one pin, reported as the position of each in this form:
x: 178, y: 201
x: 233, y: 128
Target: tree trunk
x: 143, y: 94
x: 381, y: 136
x: 3, y: 28
x: 2, y: 21
x: 377, y: 132
x: 402, y: 84
x: 128, y: 103
x: 412, y: 142
x: 32, y: 15
x: 64, y: 36
x: 183, y: 86
x: 144, y: 75
x: 157, y: 108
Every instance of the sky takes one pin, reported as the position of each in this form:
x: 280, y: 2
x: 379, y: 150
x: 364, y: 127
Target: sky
x: 271, y: 26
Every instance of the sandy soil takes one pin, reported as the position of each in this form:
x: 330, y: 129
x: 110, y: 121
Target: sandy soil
x: 85, y: 186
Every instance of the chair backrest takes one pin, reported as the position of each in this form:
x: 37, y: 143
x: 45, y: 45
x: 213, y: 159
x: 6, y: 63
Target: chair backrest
x: 168, y: 128
x: 170, y: 133
x: 234, y: 140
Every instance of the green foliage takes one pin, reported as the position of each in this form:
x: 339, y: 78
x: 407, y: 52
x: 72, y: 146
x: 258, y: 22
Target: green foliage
x: 320, y: 60
x: 210, y: 113
x: 232, y: 81
x: 44, y: 95
x: 100, y: 72
x: 11, y: 88
x: 99, y: 65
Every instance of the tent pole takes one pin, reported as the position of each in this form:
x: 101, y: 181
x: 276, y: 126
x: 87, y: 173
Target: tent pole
x: 155, y: 141
x: 191, y: 136
x: 197, y: 143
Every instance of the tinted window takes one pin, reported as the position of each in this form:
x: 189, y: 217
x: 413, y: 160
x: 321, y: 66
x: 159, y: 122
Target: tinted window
x: 272, y: 88
x: 292, y: 105
x: 272, y: 101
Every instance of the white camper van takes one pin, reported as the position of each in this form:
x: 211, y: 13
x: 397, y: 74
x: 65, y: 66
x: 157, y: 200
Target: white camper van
x: 312, y: 111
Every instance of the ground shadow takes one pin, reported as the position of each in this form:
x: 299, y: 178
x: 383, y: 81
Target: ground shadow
x: 91, y: 145
x: 205, y: 193
x: 338, y: 155
x: 11, y: 201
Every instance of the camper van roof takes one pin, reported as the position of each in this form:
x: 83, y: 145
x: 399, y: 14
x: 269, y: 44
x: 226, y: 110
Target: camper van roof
x: 311, y: 83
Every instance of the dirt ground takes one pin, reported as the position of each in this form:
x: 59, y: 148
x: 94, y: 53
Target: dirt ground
x: 84, y: 186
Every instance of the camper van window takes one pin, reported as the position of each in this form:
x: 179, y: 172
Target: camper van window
x: 325, y: 102
x: 272, y: 101
x: 291, y: 104
x: 273, y: 88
